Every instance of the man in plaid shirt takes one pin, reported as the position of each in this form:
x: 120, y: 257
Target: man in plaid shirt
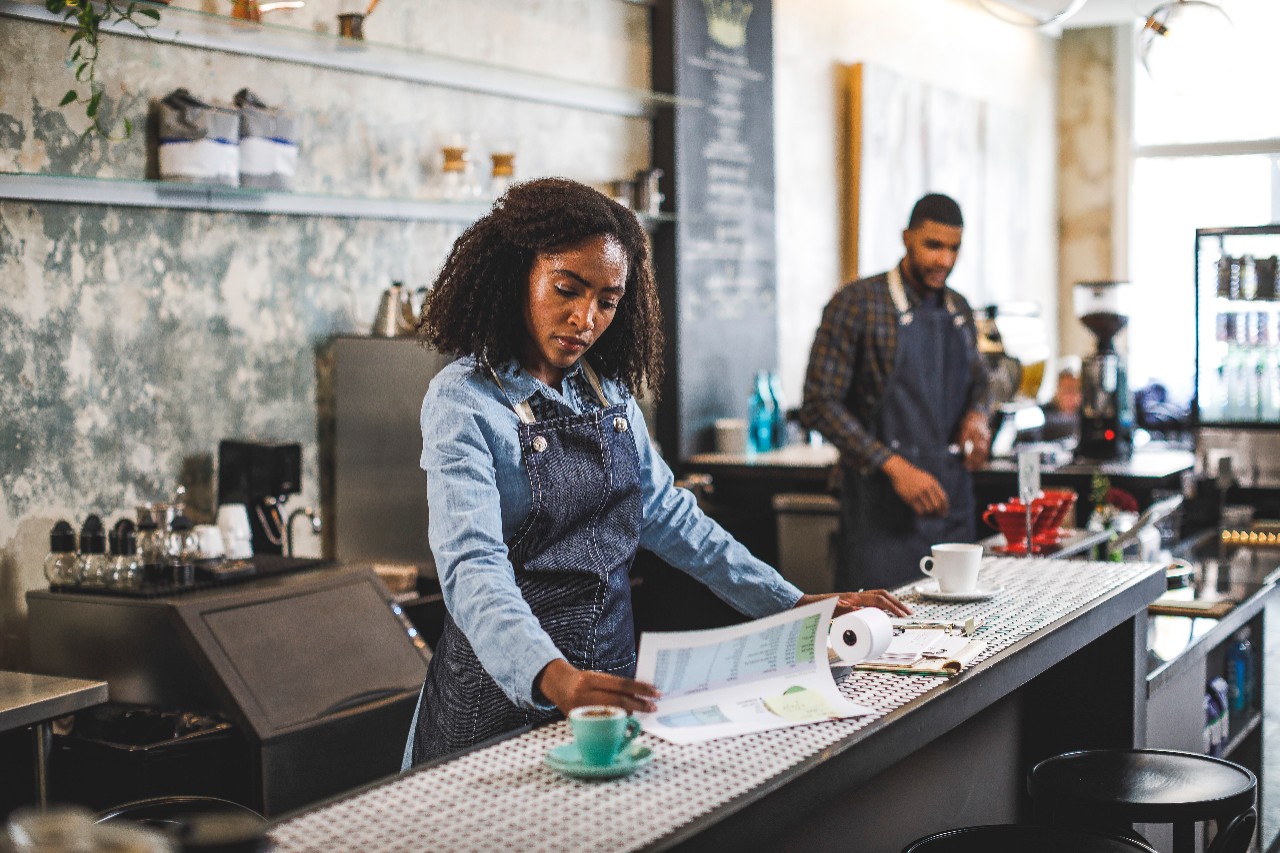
x: 896, y: 384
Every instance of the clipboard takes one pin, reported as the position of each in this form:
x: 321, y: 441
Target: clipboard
x: 937, y: 666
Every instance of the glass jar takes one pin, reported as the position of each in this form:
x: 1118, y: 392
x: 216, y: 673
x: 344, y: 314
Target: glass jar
x: 126, y: 567
x: 182, y: 548
x: 62, y: 566
x: 94, y: 565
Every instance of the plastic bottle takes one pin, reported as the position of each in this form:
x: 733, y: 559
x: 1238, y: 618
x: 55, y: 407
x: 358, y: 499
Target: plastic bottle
x: 61, y: 567
x: 760, y: 416
x: 779, y: 412
x: 1240, y: 672
x: 94, y: 565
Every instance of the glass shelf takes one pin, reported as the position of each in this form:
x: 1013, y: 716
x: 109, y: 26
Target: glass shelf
x: 305, y: 47
x: 65, y: 189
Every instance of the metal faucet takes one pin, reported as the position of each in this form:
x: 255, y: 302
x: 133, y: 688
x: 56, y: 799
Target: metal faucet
x: 309, y: 512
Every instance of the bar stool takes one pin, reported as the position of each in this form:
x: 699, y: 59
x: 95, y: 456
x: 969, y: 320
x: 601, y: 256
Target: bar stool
x: 1008, y: 838
x: 1128, y: 786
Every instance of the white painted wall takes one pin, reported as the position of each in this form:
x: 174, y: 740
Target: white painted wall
x: 952, y: 44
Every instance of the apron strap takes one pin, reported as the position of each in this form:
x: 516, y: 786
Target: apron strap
x: 595, y: 382
x: 522, y: 409
x: 898, y: 293
x: 525, y: 412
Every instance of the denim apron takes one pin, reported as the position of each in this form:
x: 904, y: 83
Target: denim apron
x: 572, y: 557
x: 882, y: 539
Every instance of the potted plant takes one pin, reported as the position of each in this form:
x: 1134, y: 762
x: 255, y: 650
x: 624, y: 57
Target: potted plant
x: 86, y: 18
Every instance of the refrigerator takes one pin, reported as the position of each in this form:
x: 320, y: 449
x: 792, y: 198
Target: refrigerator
x: 1237, y: 388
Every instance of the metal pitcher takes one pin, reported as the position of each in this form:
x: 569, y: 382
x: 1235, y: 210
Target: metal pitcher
x: 395, y: 317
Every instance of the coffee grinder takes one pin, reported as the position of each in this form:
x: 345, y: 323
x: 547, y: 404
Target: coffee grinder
x: 1106, y: 410
x: 260, y: 476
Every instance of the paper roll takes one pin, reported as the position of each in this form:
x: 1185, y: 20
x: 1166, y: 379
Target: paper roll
x: 861, y: 635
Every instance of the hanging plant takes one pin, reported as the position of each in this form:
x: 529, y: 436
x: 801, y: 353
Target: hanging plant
x: 86, y: 18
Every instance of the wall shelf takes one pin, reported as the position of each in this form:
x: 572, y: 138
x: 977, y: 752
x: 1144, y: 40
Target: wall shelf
x: 304, y: 47
x: 62, y: 189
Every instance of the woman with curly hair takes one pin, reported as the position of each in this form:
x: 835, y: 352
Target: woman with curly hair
x: 541, y: 478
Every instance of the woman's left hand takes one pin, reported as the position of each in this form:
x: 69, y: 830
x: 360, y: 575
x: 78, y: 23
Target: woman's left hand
x: 848, y: 601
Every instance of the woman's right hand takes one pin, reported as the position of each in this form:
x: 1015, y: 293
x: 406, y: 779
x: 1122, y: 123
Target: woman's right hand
x: 568, y: 687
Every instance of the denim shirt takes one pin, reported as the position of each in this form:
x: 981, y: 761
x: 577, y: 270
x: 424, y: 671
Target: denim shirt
x: 478, y: 492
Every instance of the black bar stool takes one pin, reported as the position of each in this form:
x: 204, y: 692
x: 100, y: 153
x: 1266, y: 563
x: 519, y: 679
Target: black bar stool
x: 1128, y: 786
x: 1007, y: 838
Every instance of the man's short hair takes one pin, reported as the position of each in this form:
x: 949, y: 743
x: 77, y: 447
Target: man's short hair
x: 938, y: 208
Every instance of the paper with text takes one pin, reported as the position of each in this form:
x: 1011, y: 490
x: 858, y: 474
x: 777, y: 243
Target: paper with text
x: 767, y: 674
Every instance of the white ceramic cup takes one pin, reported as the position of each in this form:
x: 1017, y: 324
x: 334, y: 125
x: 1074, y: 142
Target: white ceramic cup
x: 954, y: 565
x: 237, y: 536
x: 210, y: 538
x: 731, y: 435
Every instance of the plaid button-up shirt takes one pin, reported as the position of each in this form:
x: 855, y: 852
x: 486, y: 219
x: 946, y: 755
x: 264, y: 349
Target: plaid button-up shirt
x: 851, y: 362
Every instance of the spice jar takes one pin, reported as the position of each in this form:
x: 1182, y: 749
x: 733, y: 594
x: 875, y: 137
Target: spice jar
x: 61, y: 567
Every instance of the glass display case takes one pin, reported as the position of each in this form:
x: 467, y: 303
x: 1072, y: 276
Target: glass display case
x: 1237, y: 326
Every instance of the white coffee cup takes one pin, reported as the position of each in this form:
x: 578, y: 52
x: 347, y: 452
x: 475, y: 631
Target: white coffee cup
x: 954, y: 565
x: 237, y: 536
x: 731, y: 435
x: 210, y: 538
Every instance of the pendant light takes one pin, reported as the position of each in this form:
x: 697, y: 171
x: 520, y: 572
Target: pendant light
x: 1185, y: 44
x: 1032, y: 13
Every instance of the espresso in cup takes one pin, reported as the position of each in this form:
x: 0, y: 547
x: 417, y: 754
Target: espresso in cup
x: 954, y: 565
x: 601, y: 732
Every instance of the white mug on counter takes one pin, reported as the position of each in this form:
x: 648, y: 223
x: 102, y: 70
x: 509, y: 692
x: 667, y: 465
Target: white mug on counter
x: 237, y: 535
x: 954, y: 565
x: 210, y: 542
x: 731, y: 435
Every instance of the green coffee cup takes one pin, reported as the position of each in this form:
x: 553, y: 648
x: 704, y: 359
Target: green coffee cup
x: 601, y: 732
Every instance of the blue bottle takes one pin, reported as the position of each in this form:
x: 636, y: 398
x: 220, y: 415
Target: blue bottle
x: 779, y: 412
x: 760, y: 411
x: 1240, y: 672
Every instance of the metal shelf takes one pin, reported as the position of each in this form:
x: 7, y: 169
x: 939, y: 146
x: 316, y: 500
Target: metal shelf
x: 304, y: 47
x: 62, y: 189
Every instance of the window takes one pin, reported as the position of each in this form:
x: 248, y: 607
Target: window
x: 1206, y: 159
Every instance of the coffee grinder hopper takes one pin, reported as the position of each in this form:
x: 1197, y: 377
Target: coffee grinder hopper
x: 1106, y: 411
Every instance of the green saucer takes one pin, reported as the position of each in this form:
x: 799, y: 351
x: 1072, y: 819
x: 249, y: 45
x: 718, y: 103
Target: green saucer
x: 565, y: 759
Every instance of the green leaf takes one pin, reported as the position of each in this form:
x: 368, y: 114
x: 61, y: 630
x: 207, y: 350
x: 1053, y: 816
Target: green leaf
x: 92, y: 109
x: 153, y: 14
x: 81, y: 71
x: 68, y: 98
x: 128, y: 127
x: 75, y: 37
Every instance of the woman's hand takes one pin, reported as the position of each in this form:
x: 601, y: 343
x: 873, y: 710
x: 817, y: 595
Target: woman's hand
x: 569, y: 687
x: 848, y: 601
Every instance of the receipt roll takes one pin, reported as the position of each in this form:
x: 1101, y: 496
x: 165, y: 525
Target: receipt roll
x: 861, y: 635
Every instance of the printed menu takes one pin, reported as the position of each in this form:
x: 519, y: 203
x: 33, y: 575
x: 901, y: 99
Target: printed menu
x: 768, y: 674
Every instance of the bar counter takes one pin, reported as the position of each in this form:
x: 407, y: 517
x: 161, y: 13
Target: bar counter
x: 1066, y: 647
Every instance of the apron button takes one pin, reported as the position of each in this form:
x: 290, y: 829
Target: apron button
x: 539, y: 443
x: 619, y: 424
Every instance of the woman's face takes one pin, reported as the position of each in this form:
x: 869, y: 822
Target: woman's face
x: 573, y: 295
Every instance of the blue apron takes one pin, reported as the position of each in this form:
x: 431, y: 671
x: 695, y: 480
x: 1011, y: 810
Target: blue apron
x: 572, y: 557
x: 882, y: 539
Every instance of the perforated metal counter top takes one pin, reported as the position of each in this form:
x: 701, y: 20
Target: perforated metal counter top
x: 504, y: 797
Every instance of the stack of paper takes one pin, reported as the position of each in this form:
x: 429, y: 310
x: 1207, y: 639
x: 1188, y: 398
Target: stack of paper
x: 908, y: 647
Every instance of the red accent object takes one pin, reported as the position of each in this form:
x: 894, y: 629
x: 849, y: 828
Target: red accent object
x: 1109, y: 435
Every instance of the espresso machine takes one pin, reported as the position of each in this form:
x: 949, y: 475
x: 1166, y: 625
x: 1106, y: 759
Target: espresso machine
x: 262, y: 477
x: 1106, y: 410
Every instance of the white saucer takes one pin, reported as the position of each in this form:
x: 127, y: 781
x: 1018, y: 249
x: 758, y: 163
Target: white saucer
x: 933, y: 594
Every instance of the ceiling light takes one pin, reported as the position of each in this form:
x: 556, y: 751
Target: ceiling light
x: 1185, y: 45
x: 1032, y: 13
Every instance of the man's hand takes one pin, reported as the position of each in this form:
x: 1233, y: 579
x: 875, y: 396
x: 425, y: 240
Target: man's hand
x: 848, y: 601
x: 918, y: 488
x: 975, y: 440
x: 569, y: 687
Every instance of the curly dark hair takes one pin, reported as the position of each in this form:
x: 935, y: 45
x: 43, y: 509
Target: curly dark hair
x: 476, y: 305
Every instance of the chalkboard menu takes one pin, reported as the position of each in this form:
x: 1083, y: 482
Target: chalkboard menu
x: 718, y: 269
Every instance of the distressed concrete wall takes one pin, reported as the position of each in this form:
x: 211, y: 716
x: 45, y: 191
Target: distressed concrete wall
x: 132, y: 340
